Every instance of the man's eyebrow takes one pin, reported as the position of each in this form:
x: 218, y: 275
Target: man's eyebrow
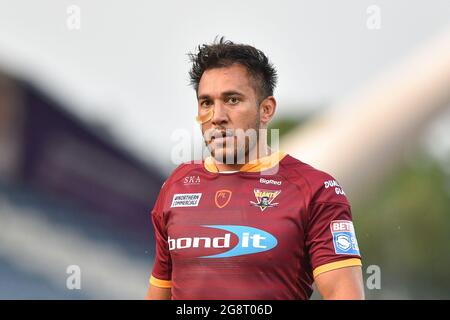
x: 232, y: 93
x: 224, y: 94
x: 204, y: 97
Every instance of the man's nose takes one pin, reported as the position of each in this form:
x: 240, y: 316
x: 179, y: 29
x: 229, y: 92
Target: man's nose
x: 220, y: 114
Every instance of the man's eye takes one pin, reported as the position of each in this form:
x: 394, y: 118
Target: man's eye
x: 205, y: 103
x: 233, y: 100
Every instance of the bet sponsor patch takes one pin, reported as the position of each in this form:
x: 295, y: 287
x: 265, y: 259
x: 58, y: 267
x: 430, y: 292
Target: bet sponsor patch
x: 185, y: 200
x: 344, y: 238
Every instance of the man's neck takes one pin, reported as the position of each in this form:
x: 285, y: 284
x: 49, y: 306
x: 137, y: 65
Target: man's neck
x: 252, y: 156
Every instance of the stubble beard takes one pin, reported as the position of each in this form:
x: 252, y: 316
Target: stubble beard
x: 244, y: 142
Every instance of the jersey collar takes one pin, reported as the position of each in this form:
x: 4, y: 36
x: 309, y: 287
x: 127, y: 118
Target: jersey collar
x: 259, y: 165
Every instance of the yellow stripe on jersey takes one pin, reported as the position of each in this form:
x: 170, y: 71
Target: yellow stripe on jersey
x: 160, y: 283
x: 336, y: 265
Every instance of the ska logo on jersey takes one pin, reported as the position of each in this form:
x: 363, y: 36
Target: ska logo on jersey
x: 344, y: 238
x: 191, y: 180
x: 264, y: 198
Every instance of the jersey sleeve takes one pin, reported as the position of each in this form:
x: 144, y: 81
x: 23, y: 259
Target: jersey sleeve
x: 330, y: 238
x: 162, y: 266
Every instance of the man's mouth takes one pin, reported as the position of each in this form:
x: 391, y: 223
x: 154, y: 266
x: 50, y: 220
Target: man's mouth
x: 222, y: 140
x: 220, y: 137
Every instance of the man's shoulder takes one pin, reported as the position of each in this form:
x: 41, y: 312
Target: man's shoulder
x: 184, y: 170
x: 296, y: 168
x: 319, y: 182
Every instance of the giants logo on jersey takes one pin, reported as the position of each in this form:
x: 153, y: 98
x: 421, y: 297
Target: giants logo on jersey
x: 264, y: 198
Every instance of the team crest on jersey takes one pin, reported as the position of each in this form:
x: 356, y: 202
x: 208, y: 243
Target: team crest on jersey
x: 264, y: 198
x: 222, y: 198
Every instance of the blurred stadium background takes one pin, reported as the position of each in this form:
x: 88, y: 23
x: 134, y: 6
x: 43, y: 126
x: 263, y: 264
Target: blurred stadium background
x: 87, y: 116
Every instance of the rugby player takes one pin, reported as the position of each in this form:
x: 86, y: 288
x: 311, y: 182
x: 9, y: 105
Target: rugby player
x: 249, y: 222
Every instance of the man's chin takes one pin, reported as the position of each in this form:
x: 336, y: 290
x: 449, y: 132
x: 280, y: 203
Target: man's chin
x: 226, y: 156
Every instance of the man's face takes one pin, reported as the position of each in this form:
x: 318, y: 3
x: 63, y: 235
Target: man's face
x: 229, y: 93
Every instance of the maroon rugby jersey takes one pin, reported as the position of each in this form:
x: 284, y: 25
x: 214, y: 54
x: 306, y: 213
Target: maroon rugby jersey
x: 264, y: 232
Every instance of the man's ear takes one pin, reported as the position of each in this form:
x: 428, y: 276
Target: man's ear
x: 267, y: 109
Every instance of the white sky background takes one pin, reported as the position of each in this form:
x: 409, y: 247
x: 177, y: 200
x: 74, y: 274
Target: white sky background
x: 127, y: 66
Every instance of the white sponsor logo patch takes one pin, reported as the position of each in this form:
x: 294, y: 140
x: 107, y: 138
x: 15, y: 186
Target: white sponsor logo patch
x: 185, y: 200
x: 344, y: 238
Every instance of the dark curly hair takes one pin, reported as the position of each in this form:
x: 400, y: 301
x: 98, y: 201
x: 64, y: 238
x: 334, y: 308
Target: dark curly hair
x: 224, y: 53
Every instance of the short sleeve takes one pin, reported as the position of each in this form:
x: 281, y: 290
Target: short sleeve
x: 162, y: 267
x: 331, y: 239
